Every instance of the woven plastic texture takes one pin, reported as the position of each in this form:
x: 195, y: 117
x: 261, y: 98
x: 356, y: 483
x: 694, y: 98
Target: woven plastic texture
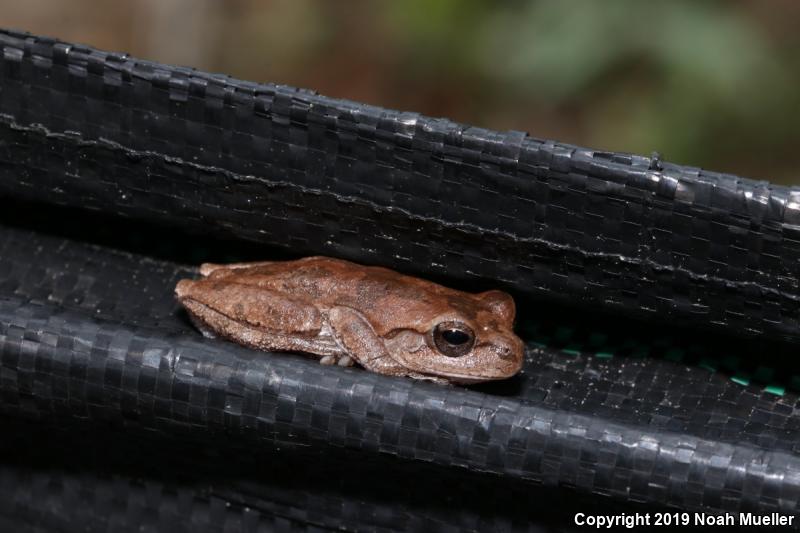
x: 289, y: 167
x: 92, y: 334
x: 149, y: 421
x: 130, y: 481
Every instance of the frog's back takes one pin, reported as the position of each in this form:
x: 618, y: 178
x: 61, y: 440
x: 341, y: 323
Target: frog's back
x: 325, y: 282
x: 336, y: 281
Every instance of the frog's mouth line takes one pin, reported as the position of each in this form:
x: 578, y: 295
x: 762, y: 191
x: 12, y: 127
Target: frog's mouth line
x: 465, y: 379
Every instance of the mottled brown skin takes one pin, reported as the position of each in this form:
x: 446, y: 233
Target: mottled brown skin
x: 343, y: 312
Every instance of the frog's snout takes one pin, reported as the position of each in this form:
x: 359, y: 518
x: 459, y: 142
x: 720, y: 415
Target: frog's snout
x: 510, y: 352
x: 508, y: 348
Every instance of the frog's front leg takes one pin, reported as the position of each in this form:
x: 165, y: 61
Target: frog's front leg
x: 355, y: 334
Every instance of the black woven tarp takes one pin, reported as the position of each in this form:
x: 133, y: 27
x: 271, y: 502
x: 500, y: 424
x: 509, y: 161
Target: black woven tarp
x: 92, y: 342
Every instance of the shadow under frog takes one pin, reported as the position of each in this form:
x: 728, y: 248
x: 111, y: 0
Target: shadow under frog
x: 346, y: 313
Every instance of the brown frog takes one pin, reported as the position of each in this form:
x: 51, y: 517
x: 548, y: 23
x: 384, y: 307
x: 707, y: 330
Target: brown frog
x: 343, y: 312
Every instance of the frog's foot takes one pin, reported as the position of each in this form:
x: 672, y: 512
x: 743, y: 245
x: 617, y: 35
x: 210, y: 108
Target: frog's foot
x: 344, y: 360
x: 431, y: 379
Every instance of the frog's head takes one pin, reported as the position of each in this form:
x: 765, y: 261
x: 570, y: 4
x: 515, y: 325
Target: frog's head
x: 470, y: 339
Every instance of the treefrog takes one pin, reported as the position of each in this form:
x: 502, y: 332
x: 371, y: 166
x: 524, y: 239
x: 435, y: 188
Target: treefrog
x: 346, y: 313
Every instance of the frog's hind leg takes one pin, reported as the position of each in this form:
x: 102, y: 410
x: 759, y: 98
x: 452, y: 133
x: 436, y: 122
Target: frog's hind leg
x: 207, y: 268
x: 262, y: 319
x: 361, y: 343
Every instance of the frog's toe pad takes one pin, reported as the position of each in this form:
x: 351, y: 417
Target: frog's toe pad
x: 345, y: 361
x: 327, y: 360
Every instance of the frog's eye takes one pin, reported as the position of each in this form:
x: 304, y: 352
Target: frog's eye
x: 453, y: 338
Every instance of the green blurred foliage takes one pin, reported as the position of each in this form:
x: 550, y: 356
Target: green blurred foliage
x: 707, y: 83
x: 696, y: 80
